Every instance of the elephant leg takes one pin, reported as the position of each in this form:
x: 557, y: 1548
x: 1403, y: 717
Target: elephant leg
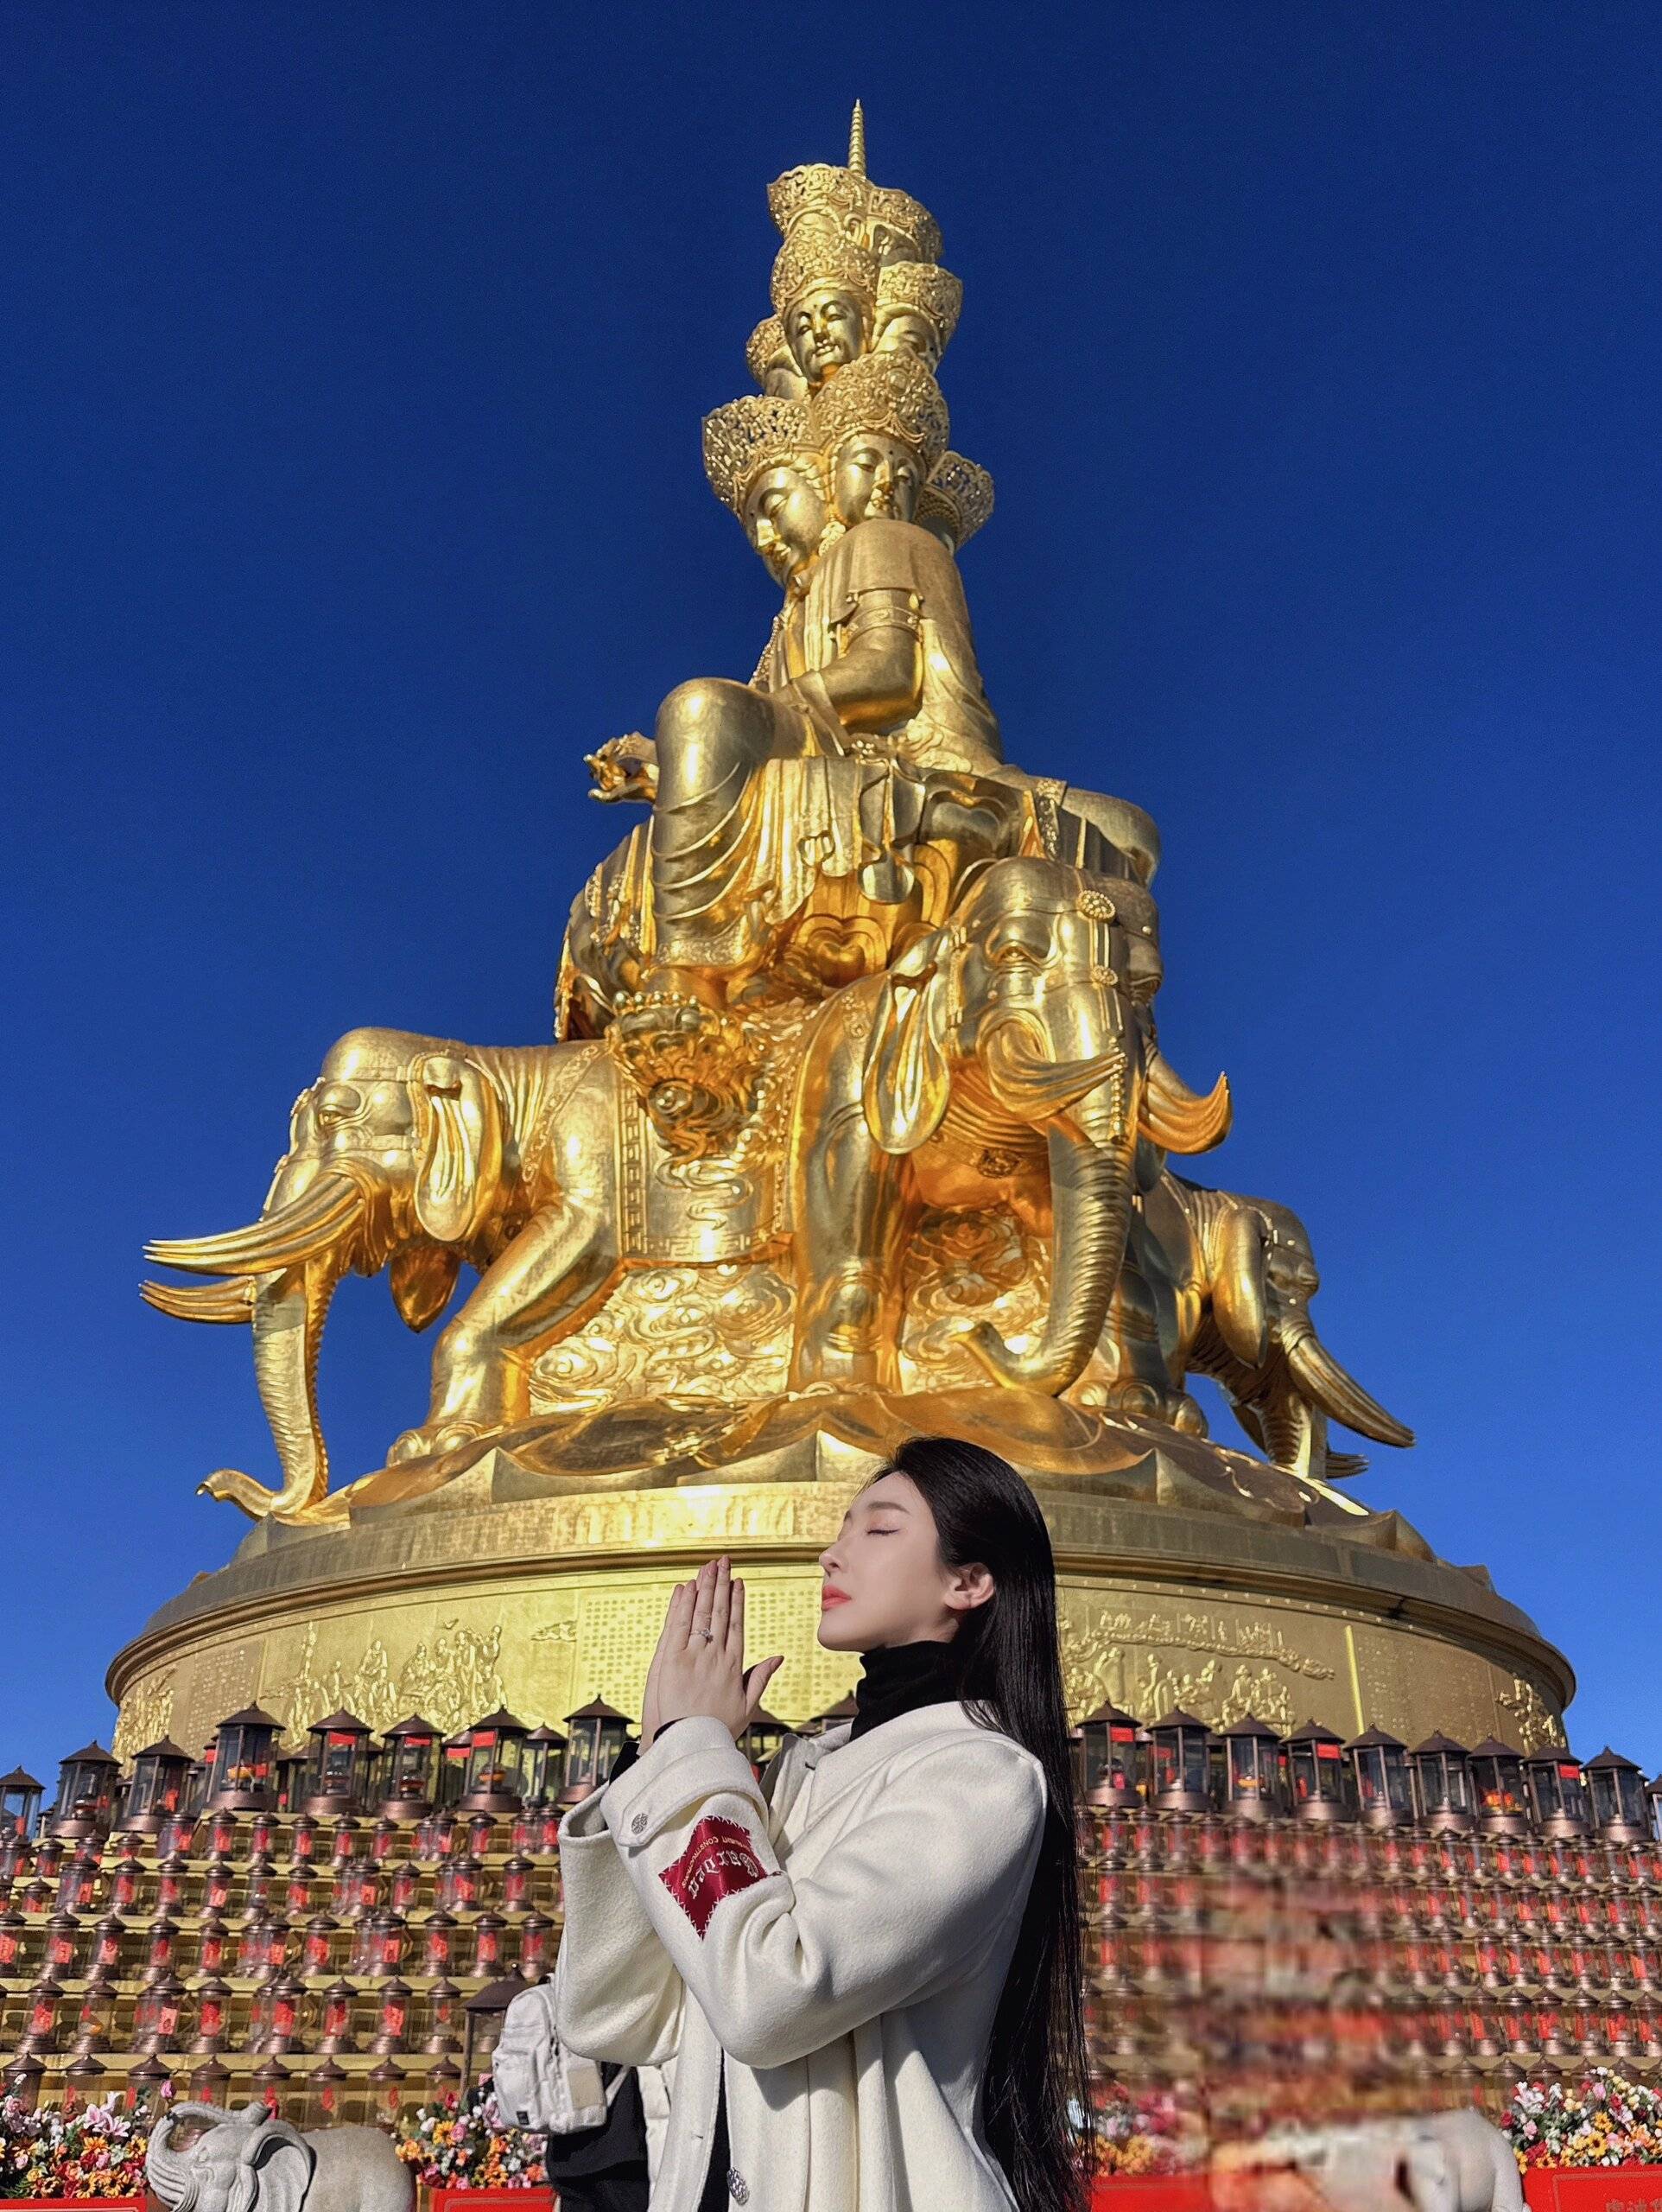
x: 553, y: 1276
x: 851, y: 1205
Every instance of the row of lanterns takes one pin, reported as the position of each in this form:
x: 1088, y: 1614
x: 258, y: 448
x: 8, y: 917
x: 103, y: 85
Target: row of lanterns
x: 497, y: 1765
x: 1179, y: 1765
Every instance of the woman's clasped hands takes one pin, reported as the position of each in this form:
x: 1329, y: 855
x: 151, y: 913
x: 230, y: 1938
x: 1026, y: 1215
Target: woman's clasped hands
x: 699, y: 1666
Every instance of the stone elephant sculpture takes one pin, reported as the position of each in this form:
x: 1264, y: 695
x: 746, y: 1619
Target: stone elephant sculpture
x: 250, y: 2161
x: 1436, y: 2162
x: 1231, y: 1280
x: 1007, y: 1059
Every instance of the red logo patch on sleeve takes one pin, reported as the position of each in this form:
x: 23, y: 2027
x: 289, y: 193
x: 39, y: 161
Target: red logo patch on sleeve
x: 717, y: 1863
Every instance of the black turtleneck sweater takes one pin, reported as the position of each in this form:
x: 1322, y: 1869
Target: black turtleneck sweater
x: 894, y: 1679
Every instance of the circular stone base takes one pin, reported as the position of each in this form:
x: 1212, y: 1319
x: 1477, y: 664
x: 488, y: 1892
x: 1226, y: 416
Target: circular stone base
x: 501, y: 1591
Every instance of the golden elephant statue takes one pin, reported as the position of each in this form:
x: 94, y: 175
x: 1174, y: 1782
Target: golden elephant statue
x: 1008, y: 1060
x: 1220, y: 1285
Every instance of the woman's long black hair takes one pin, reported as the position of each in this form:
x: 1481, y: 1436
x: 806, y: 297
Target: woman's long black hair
x: 1011, y: 1664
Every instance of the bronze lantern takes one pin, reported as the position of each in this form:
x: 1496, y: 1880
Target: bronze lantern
x: 1112, y: 1769
x: 20, y: 1804
x: 452, y: 1766
x: 1615, y: 1790
x: 86, y: 1794
x: 157, y: 1792
x: 288, y: 1769
x: 597, y: 1733
x: 496, y: 1754
x: 1443, y: 1784
x: 1180, y: 1763
x: 1252, y: 1768
x: 409, y: 1769
x: 544, y: 1763
x: 1498, y: 1791
x: 482, y: 2023
x: 1558, y: 1795
x: 1317, y: 1773
x: 337, y: 1766
x: 244, y: 1778
x: 1380, y: 1782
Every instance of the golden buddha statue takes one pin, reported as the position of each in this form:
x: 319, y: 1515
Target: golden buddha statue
x: 859, y: 1015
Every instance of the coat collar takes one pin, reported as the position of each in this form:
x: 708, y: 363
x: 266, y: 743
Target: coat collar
x: 845, y: 1762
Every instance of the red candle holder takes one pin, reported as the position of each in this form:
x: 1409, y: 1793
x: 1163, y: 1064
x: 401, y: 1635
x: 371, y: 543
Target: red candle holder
x: 212, y: 1945
x: 216, y: 1885
x: 338, y: 2001
x: 438, y: 1943
x: 212, y: 2015
x: 317, y: 1946
x: 392, y: 2030
x: 62, y: 1943
x: 487, y: 1946
x: 162, y: 1951
x: 40, y: 2017
x: 536, y: 1933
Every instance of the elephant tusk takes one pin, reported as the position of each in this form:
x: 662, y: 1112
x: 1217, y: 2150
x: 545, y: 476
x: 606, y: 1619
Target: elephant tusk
x: 1178, y: 1119
x: 1340, y: 1396
x: 227, y: 1303
x: 297, y: 1230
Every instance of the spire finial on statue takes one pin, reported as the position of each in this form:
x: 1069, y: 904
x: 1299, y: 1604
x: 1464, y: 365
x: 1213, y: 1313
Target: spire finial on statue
x: 857, y: 140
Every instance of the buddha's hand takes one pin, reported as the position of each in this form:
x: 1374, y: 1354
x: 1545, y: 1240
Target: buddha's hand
x: 625, y: 768
x: 699, y: 1666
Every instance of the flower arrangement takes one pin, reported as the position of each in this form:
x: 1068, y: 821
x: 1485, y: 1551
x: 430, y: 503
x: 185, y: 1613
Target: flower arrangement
x: 1146, y: 2133
x: 467, y: 2144
x: 1604, y: 2119
x: 98, y: 2151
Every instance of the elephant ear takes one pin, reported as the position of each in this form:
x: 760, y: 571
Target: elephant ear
x: 422, y: 1277
x: 278, y: 2174
x: 1240, y: 1302
x: 458, y: 1146
x: 906, y: 1077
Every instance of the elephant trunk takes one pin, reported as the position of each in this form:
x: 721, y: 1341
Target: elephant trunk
x: 1327, y: 1384
x: 172, y: 2174
x: 1091, y: 1190
x: 290, y: 1311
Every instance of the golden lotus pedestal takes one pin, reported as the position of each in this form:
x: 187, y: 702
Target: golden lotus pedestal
x: 1187, y: 1575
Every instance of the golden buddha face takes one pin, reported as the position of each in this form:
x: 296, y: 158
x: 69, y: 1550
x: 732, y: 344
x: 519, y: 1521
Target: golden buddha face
x: 875, y: 476
x: 825, y: 329
x: 905, y: 331
x: 785, y: 517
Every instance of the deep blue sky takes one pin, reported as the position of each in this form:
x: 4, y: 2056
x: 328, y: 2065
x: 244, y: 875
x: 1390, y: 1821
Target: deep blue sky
x: 354, y: 364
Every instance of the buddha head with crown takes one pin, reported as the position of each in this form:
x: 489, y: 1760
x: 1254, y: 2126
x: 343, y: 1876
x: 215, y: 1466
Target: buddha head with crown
x: 882, y: 426
x: 765, y: 463
x: 858, y: 261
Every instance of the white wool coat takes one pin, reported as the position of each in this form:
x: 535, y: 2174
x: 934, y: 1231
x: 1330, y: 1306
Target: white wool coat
x: 831, y: 1941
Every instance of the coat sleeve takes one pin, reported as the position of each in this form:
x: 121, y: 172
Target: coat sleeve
x: 903, y: 1905
x: 616, y: 1993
